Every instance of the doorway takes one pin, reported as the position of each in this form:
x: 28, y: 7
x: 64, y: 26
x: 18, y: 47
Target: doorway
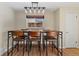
x: 71, y: 36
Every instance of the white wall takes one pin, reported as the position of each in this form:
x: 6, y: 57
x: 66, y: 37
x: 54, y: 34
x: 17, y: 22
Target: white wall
x: 21, y: 20
x: 49, y: 20
x: 7, y: 22
x: 57, y: 17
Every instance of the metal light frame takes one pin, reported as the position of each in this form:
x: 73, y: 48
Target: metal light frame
x: 34, y: 7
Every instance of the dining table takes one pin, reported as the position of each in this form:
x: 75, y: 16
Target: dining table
x: 60, y: 50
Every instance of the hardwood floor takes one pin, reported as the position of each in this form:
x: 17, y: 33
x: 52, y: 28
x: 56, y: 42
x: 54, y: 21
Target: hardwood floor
x: 71, y: 52
x: 34, y: 52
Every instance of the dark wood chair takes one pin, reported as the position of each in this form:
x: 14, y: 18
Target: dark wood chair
x: 18, y: 36
x: 51, y: 36
x: 34, y: 36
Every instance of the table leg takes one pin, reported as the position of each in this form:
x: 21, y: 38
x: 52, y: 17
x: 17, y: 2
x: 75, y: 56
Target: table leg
x: 8, y: 45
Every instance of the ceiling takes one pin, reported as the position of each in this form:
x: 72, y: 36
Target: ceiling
x: 49, y: 5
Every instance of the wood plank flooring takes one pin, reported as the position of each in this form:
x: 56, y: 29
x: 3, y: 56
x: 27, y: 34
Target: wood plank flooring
x: 71, y: 52
x: 34, y: 52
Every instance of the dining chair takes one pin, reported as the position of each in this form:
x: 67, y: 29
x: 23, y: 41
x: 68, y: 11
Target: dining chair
x: 50, y: 36
x: 34, y: 36
x: 18, y: 36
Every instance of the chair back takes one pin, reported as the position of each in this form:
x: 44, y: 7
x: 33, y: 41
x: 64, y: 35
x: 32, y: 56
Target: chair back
x: 34, y: 33
x: 17, y: 34
x: 51, y: 34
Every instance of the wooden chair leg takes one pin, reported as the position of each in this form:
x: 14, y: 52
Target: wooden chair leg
x: 39, y: 47
x: 23, y: 47
x: 52, y: 46
x: 61, y: 45
x: 12, y: 48
x: 17, y: 45
x: 8, y: 45
x: 57, y: 48
x: 46, y: 49
x: 43, y: 47
x: 28, y: 47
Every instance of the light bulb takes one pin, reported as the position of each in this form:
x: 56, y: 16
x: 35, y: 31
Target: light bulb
x: 34, y: 11
x: 25, y: 11
x: 43, y: 11
x: 38, y: 11
x: 30, y: 11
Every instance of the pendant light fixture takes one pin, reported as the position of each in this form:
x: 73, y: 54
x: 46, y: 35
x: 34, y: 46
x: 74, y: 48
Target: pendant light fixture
x: 34, y: 9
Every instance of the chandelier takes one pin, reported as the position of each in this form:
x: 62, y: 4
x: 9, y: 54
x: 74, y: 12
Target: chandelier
x: 34, y: 9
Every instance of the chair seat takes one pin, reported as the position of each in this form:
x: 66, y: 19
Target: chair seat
x: 34, y: 38
x: 50, y: 38
x: 18, y: 39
